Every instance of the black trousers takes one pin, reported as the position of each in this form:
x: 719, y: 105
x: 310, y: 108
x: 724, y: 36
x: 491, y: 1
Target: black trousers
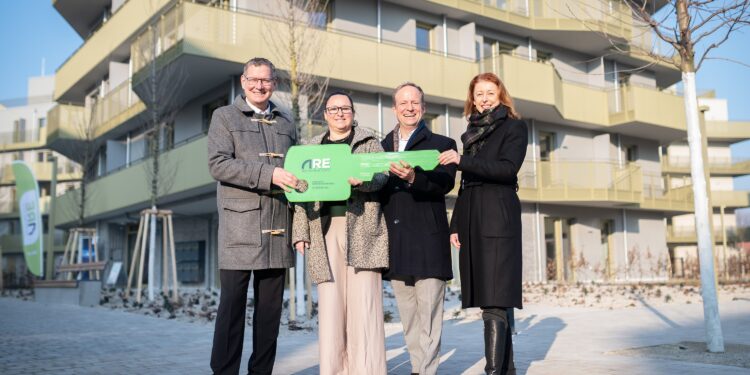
x: 268, y: 289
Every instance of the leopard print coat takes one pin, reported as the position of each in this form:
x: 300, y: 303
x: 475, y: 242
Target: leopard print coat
x: 366, y: 233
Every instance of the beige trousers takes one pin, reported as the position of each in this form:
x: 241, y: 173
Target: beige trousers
x: 420, y: 305
x: 350, y: 313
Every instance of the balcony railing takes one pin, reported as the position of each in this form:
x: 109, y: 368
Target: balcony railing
x: 118, y: 105
x: 66, y: 171
x: 580, y: 181
x: 540, y: 82
x: 20, y: 139
x: 8, y: 206
x: 716, y: 165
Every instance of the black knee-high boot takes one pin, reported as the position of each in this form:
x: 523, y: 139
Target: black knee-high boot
x: 498, y: 344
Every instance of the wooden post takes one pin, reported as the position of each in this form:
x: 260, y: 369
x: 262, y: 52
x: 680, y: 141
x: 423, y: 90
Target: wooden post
x: 175, y: 296
x: 136, y: 251
x: 164, y: 268
x: 559, y: 261
x: 145, y: 217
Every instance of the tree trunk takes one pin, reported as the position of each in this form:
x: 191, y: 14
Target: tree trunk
x: 714, y: 337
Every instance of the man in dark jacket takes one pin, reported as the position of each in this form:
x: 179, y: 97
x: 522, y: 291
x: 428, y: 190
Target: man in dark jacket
x: 246, y: 144
x: 414, y: 208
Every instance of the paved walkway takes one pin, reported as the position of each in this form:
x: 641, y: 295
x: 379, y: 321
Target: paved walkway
x: 56, y: 339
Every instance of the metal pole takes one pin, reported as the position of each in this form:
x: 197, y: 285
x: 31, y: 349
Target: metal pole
x: 299, y: 269
x: 50, y: 221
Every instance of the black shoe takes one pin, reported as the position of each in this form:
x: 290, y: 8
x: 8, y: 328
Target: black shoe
x: 496, y: 337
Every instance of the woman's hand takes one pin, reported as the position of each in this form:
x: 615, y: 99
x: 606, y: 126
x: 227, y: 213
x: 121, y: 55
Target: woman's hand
x: 301, y: 246
x: 454, y: 240
x: 354, y: 182
x: 449, y: 157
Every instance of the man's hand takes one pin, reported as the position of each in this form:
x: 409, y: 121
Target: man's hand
x: 354, y: 182
x: 283, y: 179
x: 403, y: 171
x: 301, y: 246
x: 449, y: 157
x: 454, y: 240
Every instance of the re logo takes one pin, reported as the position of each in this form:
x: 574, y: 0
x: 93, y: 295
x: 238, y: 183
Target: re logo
x: 317, y: 164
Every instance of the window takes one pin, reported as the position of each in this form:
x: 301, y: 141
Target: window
x: 542, y: 56
x: 42, y: 122
x: 208, y: 111
x: 491, y: 47
x: 430, y: 120
x: 19, y: 127
x: 424, y: 36
x: 40, y: 157
x: 631, y: 153
x: 191, y: 261
x: 323, y: 18
x: 546, y: 145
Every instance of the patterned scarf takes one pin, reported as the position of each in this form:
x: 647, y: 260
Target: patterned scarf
x: 397, y: 133
x: 481, y: 125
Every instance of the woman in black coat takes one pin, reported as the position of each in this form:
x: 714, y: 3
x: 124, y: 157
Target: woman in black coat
x: 486, y: 222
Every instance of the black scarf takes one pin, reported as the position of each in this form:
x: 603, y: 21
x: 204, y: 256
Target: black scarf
x: 481, y: 125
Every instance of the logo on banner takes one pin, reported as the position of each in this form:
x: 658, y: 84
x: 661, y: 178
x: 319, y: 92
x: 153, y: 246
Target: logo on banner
x: 29, y: 207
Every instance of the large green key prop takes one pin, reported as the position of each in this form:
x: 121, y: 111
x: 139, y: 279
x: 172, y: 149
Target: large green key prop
x: 324, y: 170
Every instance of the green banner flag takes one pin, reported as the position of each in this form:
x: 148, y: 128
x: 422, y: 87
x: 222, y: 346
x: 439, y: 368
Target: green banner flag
x: 325, y: 169
x: 27, y: 191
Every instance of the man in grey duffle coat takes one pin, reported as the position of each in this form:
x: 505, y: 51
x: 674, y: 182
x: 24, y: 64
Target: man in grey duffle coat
x: 247, y: 141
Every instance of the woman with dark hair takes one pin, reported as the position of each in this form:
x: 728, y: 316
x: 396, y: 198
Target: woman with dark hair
x: 486, y: 222
x: 347, y: 247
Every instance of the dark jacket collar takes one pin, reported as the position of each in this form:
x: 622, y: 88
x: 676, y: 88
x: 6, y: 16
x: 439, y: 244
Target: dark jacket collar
x: 420, y: 133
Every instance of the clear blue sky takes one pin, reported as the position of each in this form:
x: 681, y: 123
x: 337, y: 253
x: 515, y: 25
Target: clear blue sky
x: 31, y: 30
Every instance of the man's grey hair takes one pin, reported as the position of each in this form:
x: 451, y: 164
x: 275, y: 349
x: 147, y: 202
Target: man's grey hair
x: 260, y: 61
x: 409, y: 84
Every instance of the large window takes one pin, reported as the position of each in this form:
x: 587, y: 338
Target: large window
x: 424, y: 36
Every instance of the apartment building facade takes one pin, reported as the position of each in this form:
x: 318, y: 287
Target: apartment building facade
x: 23, y: 130
x: 597, y: 205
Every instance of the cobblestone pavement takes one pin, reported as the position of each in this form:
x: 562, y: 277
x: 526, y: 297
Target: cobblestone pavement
x: 56, y: 339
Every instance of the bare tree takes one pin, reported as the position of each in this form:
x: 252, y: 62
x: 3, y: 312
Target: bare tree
x: 694, y: 29
x: 85, y: 154
x: 296, y: 36
x: 159, y: 91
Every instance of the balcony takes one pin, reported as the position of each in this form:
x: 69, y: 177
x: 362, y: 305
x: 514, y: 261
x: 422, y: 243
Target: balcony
x: 580, y: 183
x: 127, y: 190
x: 597, y: 184
x: 66, y: 126
x: 13, y: 243
x: 119, y: 106
x: 730, y: 198
x: 686, y: 234
x: 730, y: 131
x: 216, y: 42
x: 82, y: 15
x: 716, y: 166
x: 631, y: 110
x: 21, y: 140
x: 42, y: 172
x: 9, y: 207
x: 575, y: 25
x: 110, y: 42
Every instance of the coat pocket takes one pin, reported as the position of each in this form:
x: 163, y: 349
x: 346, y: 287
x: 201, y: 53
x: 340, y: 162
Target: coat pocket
x: 501, y: 218
x: 241, y: 227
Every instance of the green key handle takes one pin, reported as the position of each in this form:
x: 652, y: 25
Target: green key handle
x: 324, y: 170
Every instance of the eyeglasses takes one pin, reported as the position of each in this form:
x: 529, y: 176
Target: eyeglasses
x: 254, y: 81
x: 347, y: 110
